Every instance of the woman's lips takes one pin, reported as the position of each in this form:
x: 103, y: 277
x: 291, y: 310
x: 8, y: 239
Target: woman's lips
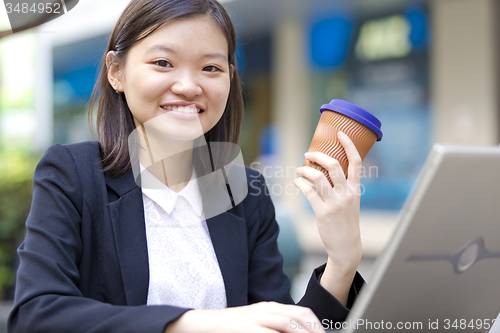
x: 182, y: 115
x: 181, y: 103
x: 186, y: 109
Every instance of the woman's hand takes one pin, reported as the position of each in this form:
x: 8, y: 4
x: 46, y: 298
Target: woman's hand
x: 263, y: 317
x: 337, y: 214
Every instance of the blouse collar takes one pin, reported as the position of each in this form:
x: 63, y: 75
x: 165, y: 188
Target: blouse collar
x: 165, y: 197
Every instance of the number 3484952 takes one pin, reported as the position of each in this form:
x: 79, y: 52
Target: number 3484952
x: 26, y: 8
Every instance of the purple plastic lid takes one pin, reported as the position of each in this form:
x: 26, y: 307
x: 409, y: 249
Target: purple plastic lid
x: 355, y: 112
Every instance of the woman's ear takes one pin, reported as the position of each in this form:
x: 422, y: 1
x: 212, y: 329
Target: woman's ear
x: 114, y: 71
x: 231, y: 71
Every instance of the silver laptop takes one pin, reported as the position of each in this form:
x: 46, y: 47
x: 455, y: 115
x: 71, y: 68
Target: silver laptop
x: 440, y: 271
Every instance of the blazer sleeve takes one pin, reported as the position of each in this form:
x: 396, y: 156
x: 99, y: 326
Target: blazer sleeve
x: 267, y: 281
x: 47, y: 297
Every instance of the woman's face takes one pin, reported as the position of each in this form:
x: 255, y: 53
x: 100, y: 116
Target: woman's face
x: 184, y: 63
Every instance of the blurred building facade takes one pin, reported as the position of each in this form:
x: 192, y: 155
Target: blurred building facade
x: 427, y: 69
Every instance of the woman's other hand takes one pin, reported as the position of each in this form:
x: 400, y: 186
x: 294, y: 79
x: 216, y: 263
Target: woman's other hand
x: 337, y: 215
x: 263, y: 317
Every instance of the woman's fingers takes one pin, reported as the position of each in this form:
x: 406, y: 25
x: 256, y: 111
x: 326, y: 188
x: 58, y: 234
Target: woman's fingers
x: 330, y: 164
x: 354, y: 169
x: 310, y: 182
x: 309, y: 192
x: 263, y: 317
x: 341, y: 184
x: 290, y: 318
x: 320, y: 183
x: 334, y: 170
x: 281, y: 323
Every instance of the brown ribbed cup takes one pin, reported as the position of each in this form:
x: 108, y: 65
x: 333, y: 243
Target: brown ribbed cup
x: 325, y: 139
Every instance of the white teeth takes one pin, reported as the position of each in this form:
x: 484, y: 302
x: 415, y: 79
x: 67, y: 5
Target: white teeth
x: 184, y: 109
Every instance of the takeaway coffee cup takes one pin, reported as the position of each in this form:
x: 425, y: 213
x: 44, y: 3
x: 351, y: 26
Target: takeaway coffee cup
x: 361, y: 127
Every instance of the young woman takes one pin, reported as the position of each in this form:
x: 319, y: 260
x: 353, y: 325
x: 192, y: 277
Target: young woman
x: 102, y: 254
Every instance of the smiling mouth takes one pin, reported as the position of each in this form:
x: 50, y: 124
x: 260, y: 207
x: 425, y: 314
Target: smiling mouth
x: 183, y: 109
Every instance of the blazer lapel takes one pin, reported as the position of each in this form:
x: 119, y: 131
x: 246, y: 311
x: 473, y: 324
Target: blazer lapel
x: 228, y: 233
x: 229, y: 238
x: 127, y: 220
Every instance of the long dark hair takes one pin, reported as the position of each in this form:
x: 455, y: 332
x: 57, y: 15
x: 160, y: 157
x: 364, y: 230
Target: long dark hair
x: 114, y: 121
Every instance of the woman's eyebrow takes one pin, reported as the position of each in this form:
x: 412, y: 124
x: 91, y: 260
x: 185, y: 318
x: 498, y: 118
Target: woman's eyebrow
x: 215, y: 55
x: 168, y: 49
x: 160, y: 48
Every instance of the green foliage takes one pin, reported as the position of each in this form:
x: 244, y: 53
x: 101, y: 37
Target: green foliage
x: 16, y: 179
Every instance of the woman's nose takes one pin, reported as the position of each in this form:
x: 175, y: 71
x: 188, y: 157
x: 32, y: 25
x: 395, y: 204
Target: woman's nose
x: 187, y: 86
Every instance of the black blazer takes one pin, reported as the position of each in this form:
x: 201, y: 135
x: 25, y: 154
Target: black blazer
x: 84, y: 261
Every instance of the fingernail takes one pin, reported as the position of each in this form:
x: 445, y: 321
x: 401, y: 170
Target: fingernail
x: 307, y: 154
x: 342, y: 134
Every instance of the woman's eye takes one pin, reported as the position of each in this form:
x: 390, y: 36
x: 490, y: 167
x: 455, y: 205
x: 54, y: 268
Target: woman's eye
x: 163, y: 63
x: 211, y: 69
